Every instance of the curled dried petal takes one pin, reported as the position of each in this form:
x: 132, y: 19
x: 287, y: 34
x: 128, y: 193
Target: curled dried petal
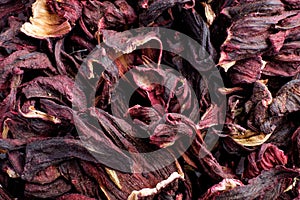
x: 151, y: 191
x: 249, y: 138
x: 287, y: 99
x: 224, y: 185
x: 44, y: 24
x: 70, y: 10
x: 269, y: 184
x: 246, y: 71
x: 268, y: 157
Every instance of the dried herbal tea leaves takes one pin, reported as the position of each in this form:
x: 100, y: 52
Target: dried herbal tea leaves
x: 98, y: 102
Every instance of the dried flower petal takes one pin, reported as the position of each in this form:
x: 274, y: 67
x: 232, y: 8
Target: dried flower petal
x: 44, y: 24
x: 246, y: 71
x: 263, y: 186
x: 151, y: 191
x: 287, y: 99
x: 54, y: 189
x: 224, y: 185
x: 75, y: 197
x: 249, y: 138
x: 70, y: 10
x: 268, y: 157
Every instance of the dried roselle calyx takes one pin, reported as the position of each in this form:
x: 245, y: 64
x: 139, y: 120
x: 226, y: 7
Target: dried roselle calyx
x: 286, y: 100
x: 174, y: 127
x: 44, y: 24
x: 246, y: 71
x: 116, y: 16
x: 211, y: 117
x: 19, y: 62
x: 10, y: 39
x: 296, y: 147
x: 224, y: 185
x: 254, y: 28
x: 126, y: 10
x: 291, y: 4
x: 125, y: 99
x: 54, y: 189
x: 148, y: 192
x: 243, y: 8
x: 245, y: 137
x: 156, y: 8
x: 266, y: 158
x: 91, y: 14
x: 19, y: 8
x: 258, y: 105
x: 146, y: 115
x: 263, y: 185
x: 82, y: 183
x: 70, y: 10
x: 281, y: 68
x: 75, y: 197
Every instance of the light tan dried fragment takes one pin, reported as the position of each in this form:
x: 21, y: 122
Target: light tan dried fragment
x: 45, y: 24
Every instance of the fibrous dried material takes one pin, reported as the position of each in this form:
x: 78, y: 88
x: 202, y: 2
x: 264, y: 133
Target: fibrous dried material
x: 44, y: 23
x: 246, y: 71
x: 69, y: 10
x: 287, y: 99
x: 268, y: 157
x: 258, y: 187
x: 92, y: 108
x: 224, y: 185
x: 250, y: 33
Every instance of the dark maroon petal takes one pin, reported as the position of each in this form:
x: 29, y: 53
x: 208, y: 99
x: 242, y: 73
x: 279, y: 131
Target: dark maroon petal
x: 75, y: 197
x: 287, y: 99
x: 54, y: 189
x: 263, y: 186
x: 296, y: 147
x: 70, y: 10
x: 266, y: 158
x: 224, y: 185
x: 246, y: 71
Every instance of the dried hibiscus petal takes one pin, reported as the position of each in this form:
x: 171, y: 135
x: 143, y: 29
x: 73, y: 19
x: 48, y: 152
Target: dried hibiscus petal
x: 281, y: 68
x: 59, y: 88
x: 19, y: 62
x: 44, y: 24
x: 54, y: 189
x: 156, y: 8
x: 145, y: 192
x: 9, y: 39
x: 70, y: 128
x: 254, y: 31
x: 287, y: 99
x: 173, y: 127
x: 47, y: 175
x: 144, y: 114
x: 211, y: 117
x: 58, y: 151
x: 263, y: 186
x: 247, y: 137
x: 268, y: 157
x: 70, y: 10
x: 259, y: 103
x: 91, y: 14
x: 296, y: 147
x: 243, y: 8
x: 246, y: 71
x: 224, y: 185
x: 116, y: 16
x: 75, y: 197
x: 83, y: 184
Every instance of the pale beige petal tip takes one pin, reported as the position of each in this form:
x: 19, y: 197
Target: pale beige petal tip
x: 44, y: 23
